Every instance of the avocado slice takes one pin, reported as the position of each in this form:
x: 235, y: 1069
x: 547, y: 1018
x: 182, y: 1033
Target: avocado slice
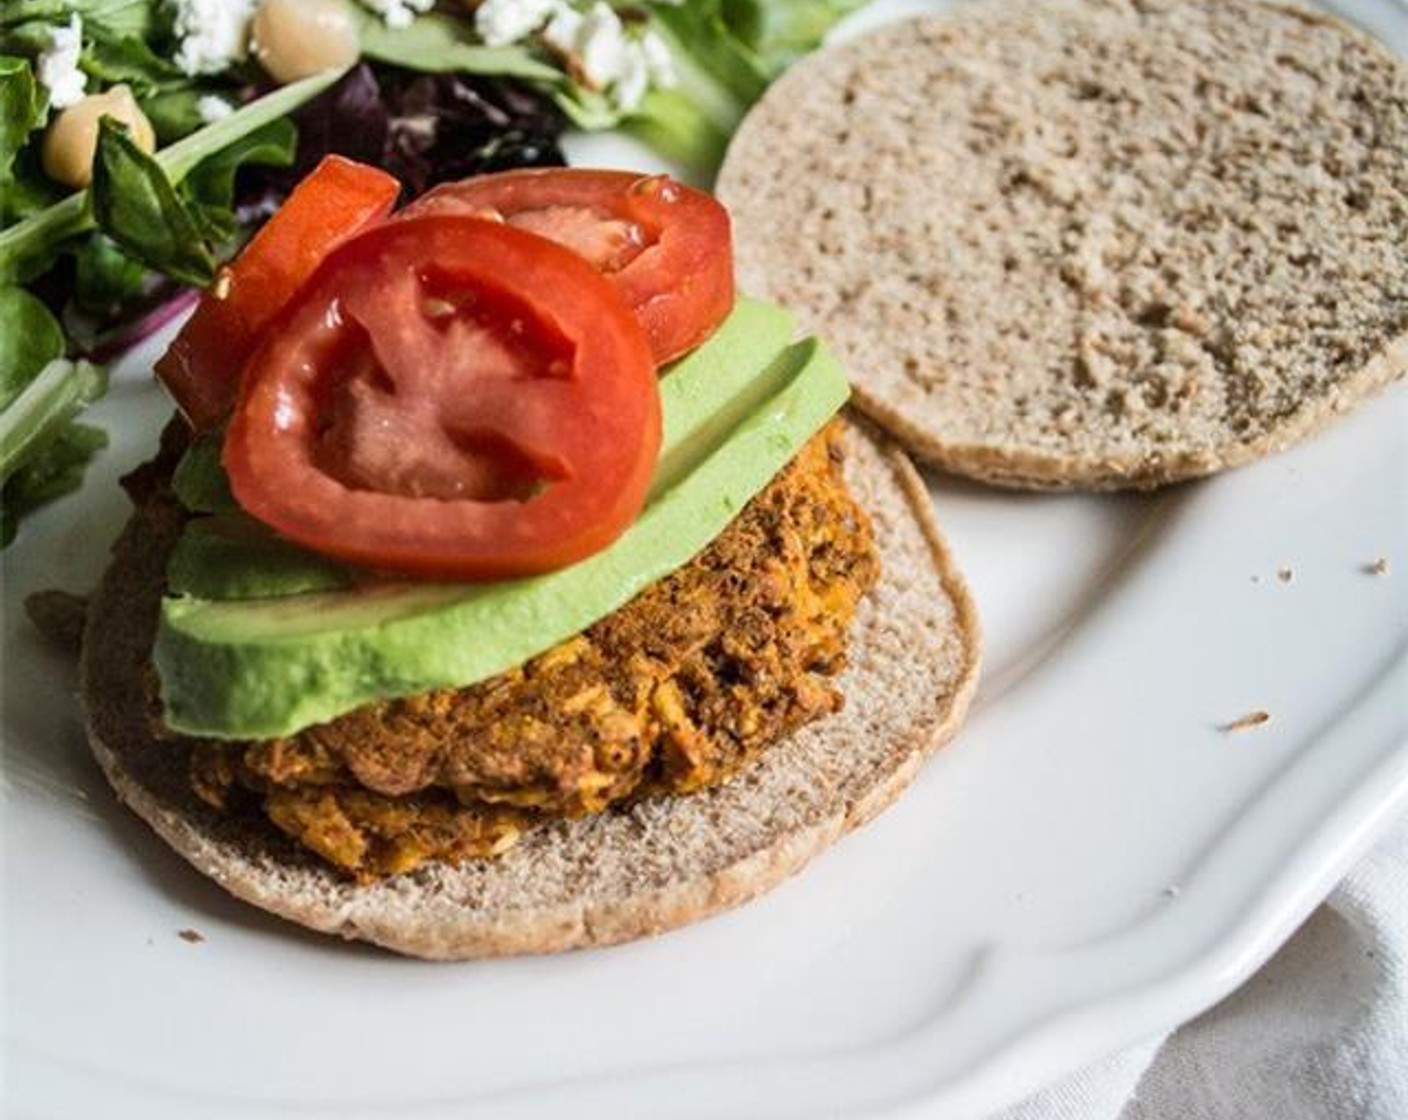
x: 270, y: 667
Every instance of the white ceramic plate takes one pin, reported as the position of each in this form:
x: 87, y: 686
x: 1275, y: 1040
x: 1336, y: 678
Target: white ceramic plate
x: 1093, y: 861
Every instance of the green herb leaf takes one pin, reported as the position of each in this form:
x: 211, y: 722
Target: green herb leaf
x: 30, y: 338
x: 136, y: 205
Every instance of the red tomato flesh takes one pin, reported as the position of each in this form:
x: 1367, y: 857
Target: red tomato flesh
x: 453, y: 398
x: 338, y: 199
x: 666, y: 246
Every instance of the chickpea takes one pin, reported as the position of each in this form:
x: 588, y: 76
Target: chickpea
x: 295, y: 39
x: 72, y: 136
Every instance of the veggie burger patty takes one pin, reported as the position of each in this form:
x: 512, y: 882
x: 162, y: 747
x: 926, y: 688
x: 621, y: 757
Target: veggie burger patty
x: 670, y: 694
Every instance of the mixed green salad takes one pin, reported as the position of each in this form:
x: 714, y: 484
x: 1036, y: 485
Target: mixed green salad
x: 142, y: 142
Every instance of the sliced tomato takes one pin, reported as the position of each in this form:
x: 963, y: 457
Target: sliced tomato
x: 338, y: 198
x: 668, y: 247
x: 449, y: 397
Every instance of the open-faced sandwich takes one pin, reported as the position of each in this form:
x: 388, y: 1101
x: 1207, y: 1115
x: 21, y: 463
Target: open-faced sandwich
x: 509, y: 585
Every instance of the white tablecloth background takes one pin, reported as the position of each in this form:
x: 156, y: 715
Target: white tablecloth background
x: 1319, y: 1033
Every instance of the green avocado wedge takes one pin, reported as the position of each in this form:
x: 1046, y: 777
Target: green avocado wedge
x: 736, y: 411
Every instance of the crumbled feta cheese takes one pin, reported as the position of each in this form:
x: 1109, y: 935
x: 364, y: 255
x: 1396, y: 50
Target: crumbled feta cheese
x: 658, y: 60
x: 603, y: 54
x: 212, y: 108
x: 57, y: 65
x: 501, y: 22
x: 631, y: 84
x: 562, y: 31
x: 398, y: 13
x: 601, y: 46
x: 212, y: 33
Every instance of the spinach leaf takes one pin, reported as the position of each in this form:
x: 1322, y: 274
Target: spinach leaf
x: 57, y: 469
x: 30, y: 338
x: 136, y: 205
x: 22, y: 110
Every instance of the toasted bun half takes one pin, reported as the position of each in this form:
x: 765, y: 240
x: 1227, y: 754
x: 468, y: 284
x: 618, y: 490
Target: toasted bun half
x: 1090, y: 243
x: 658, y: 864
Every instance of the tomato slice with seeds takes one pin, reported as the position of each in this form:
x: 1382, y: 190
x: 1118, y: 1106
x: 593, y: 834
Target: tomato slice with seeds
x: 667, y: 246
x: 453, y: 398
x: 337, y: 199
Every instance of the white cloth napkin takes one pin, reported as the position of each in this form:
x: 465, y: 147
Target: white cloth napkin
x: 1320, y: 1033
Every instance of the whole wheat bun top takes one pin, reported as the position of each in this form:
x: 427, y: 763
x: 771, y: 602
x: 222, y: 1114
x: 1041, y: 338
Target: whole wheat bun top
x: 1090, y: 242
x: 624, y: 874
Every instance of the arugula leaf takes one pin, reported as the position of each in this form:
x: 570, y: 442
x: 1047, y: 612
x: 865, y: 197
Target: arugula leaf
x: 136, y: 205
x: 439, y: 44
x: 23, y: 106
x: 57, y: 469
x: 30, y: 338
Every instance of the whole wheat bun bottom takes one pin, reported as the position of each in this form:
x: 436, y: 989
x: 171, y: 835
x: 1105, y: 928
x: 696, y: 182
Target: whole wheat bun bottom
x: 653, y: 866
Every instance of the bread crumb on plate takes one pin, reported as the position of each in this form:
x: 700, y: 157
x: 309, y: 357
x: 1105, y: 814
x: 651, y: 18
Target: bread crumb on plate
x: 1248, y: 721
